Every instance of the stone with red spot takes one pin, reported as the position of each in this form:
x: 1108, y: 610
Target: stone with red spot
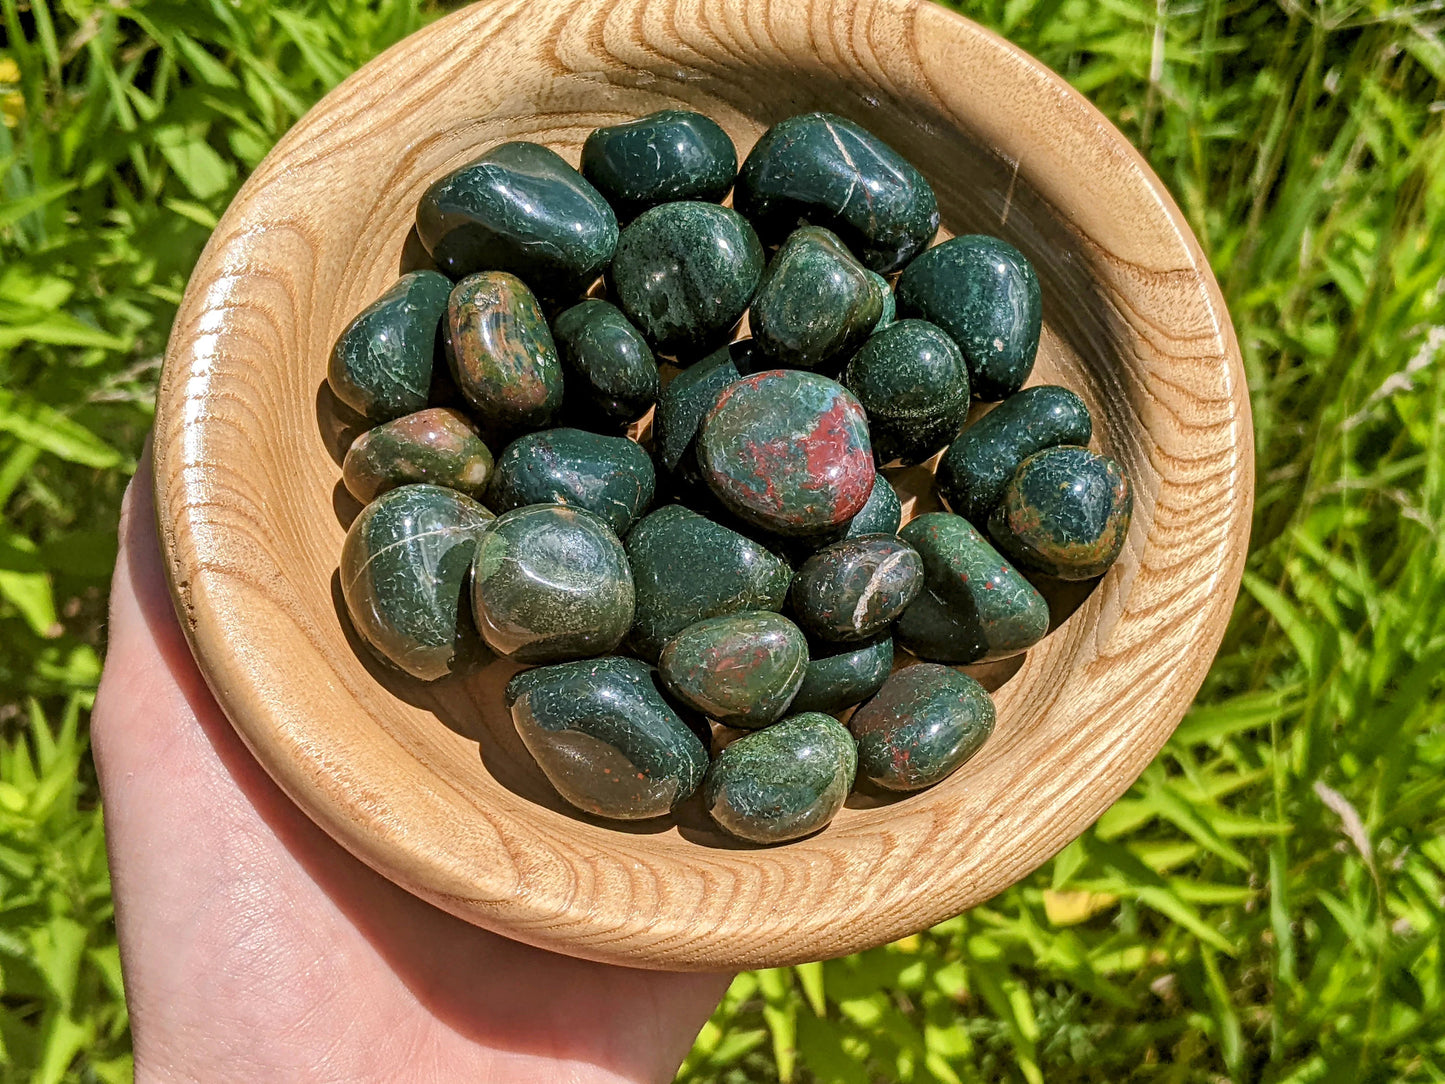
x: 742, y: 670
x: 925, y: 722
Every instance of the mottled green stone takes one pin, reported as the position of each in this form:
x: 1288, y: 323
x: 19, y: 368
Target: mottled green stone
x: 673, y: 154
x: 519, y: 208
x: 923, y: 725
x: 404, y: 567
x: 687, y: 568
x: 827, y: 171
x: 881, y: 515
x: 984, y: 293
x: 783, y: 782
x: 437, y: 445
x: 853, y: 590
x: 381, y: 366
x: 913, y: 383
x: 979, y: 463
x: 1065, y: 512
x: 611, y: 477
x: 606, y: 739
x: 685, y: 402
x: 551, y: 583
x: 741, y: 669
x: 975, y: 606
x: 501, y: 352
x: 890, y: 303
x: 816, y: 303
x: 611, y: 377
x: 841, y: 675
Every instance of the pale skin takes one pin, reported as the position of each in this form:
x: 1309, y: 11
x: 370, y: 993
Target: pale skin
x: 255, y: 948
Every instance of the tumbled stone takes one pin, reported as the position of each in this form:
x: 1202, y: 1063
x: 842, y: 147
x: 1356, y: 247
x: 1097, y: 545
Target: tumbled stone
x: 673, y: 154
x: 437, y: 445
x: 381, y: 365
x: 611, y: 477
x: 841, y: 675
x: 854, y: 589
x: 890, y: 303
x: 519, y: 208
x: 827, y: 171
x: 984, y: 293
x: 1065, y: 512
x: 685, y: 402
x: 881, y: 515
x: 923, y: 725
x: 501, y: 352
x: 551, y: 583
x: 913, y: 384
x: 403, y: 569
x: 605, y: 738
x: 611, y: 377
x: 740, y: 669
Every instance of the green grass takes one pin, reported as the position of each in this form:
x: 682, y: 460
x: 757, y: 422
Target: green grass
x: 1264, y: 905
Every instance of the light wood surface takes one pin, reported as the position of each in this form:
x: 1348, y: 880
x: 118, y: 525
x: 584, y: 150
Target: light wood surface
x: 431, y: 785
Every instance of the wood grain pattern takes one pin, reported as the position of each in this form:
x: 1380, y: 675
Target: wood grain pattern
x: 431, y: 785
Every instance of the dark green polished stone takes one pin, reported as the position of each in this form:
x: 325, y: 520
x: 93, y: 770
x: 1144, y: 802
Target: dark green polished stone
x: 788, y: 451
x: 611, y: 477
x: 606, y: 739
x: 519, y: 208
x: 436, y: 445
x: 783, y: 782
x: 979, y: 463
x: 501, y: 352
x: 687, y: 568
x: 741, y: 669
x: 984, y: 293
x: 975, y: 606
x: 685, y: 402
x: 381, y: 366
x: 611, y: 376
x: 890, y: 304
x: 881, y: 515
x: 841, y: 675
x: 827, y: 171
x: 816, y: 303
x: 1065, y: 512
x: 913, y: 382
x: 673, y: 154
x: 853, y: 590
x: 551, y: 583
x: 404, y: 567
x: 925, y: 722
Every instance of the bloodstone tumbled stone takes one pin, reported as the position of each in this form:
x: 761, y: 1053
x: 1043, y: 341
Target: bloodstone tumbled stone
x: 437, y: 445
x: 881, y: 515
x: 685, y: 402
x: 741, y: 669
x: 783, y: 782
x: 684, y: 274
x: 687, y: 568
x: 403, y: 569
x: 519, y: 208
x: 984, y: 293
x: 670, y: 155
x: 841, y: 675
x: 827, y: 171
x: 605, y: 738
x: 854, y: 589
x: 1065, y: 512
x: 816, y: 302
x: 974, y: 606
x: 381, y: 366
x: 551, y: 583
x: 890, y: 304
x: 925, y: 722
x: 501, y: 352
x: 611, y: 477
x: 979, y: 463
x: 788, y: 451
x: 913, y: 383
x: 611, y: 377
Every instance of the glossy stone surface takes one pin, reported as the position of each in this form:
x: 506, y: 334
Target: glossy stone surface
x: 881, y: 514
x: 381, y: 365
x: 815, y: 304
x: 984, y: 293
x: 501, y: 353
x: 551, y: 583
x: 519, y: 208
x: 890, y: 303
x: 783, y: 782
x: 437, y: 445
x: 853, y: 590
x: 687, y: 568
x: 827, y: 171
x: 685, y: 402
x: 741, y: 670
x: 611, y: 477
x: 841, y: 675
x: 923, y: 725
x: 610, y: 374
x: 673, y: 154
x: 1065, y: 512
x: 404, y: 567
x: 974, y: 606
x: 788, y: 451
x: 684, y: 273
x: 606, y: 739
x: 979, y: 463
x: 913, y: 383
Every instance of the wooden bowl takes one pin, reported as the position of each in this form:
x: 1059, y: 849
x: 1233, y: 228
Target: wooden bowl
x: 430, y: 785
